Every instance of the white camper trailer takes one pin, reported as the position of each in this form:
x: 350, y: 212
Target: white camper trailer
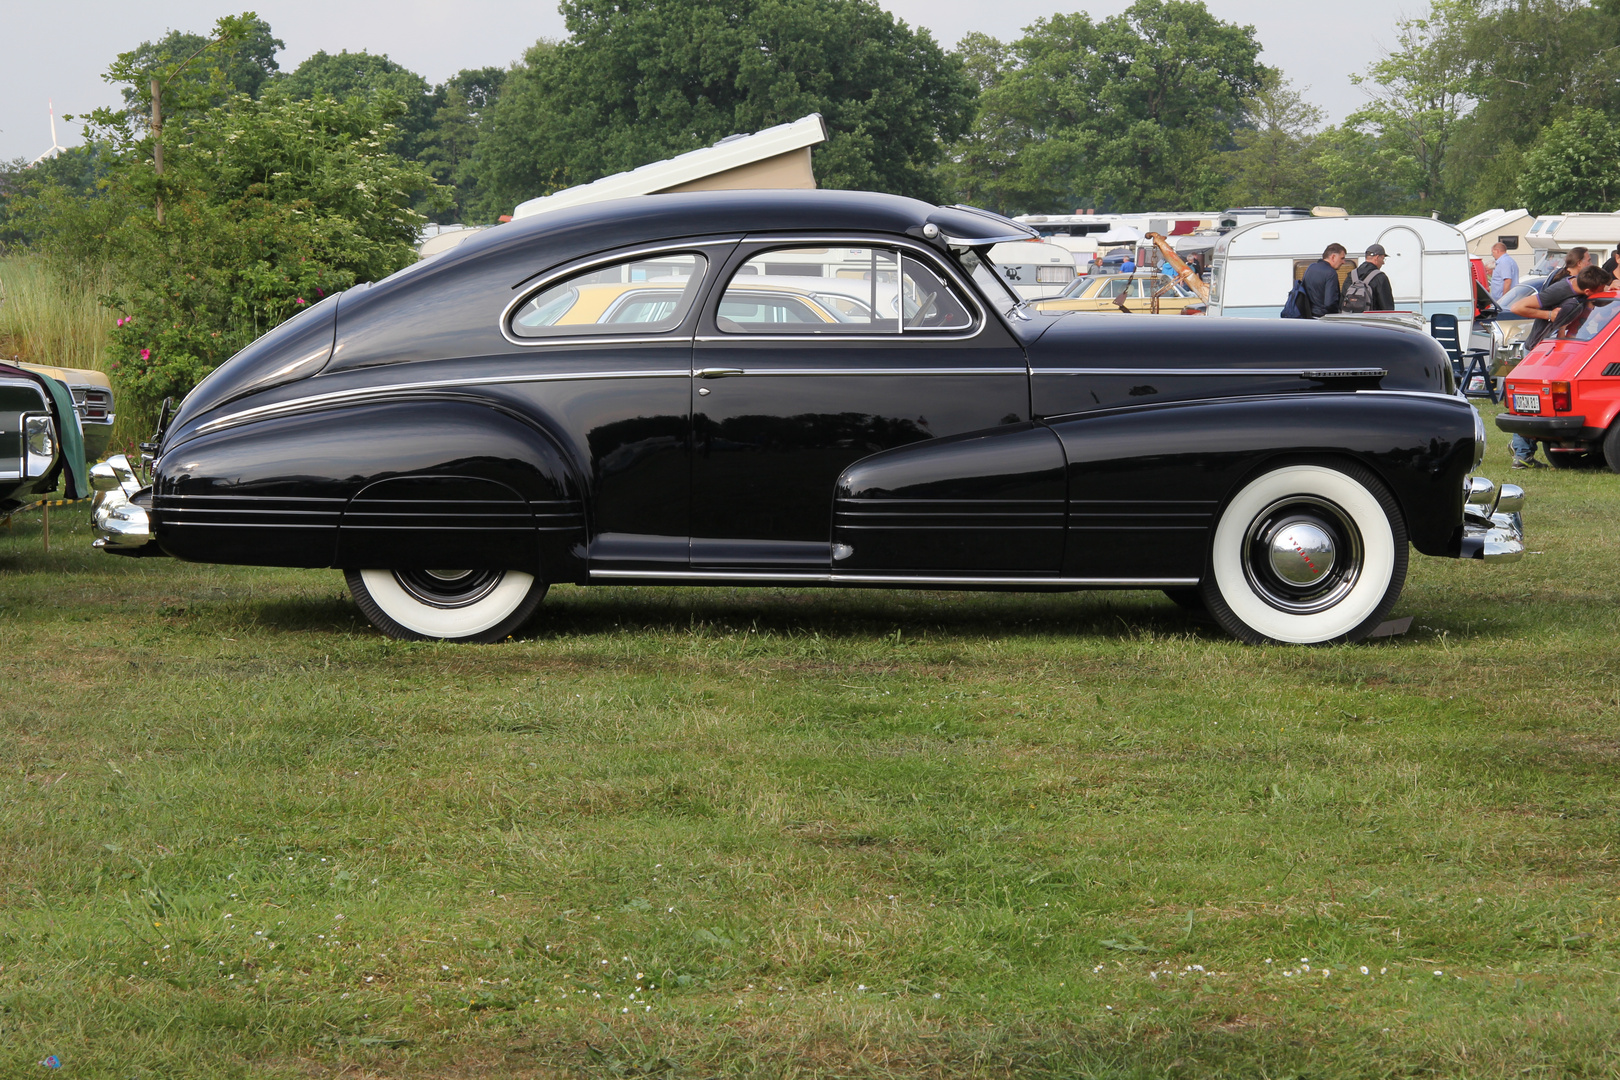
x: 1511, y: 228
x: 1255, y: 266
x: 1553, y: 235
x: 1038, y: 269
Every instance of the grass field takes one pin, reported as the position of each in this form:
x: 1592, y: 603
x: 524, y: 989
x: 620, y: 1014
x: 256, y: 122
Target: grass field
x: 770, y: 833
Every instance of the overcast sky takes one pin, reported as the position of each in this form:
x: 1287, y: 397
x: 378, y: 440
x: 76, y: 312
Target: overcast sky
x: 56, y: 50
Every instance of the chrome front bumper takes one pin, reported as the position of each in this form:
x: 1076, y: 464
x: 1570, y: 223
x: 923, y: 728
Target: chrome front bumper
x: 122, y: 525
x: 1493, y: 529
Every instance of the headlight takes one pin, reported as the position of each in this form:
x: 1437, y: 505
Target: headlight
x: 1479, y: 436
x: 39, y: 445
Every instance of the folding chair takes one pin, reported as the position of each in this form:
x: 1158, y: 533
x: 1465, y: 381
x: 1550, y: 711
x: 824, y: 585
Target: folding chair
x: 1465, y: 364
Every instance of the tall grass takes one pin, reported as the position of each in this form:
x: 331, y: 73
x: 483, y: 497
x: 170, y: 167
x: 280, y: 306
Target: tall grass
x: 50, y: 317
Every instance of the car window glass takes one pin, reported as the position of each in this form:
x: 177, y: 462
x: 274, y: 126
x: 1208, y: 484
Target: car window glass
x: 1112, y: 288
x: 645, y: 295
x: 1598, y: 316
x: 927, y: 302
x: 814, y: 290
x: 984, y: 275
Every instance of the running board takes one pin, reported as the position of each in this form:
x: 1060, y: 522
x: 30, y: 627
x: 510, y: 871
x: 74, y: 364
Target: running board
x: 788, y: 577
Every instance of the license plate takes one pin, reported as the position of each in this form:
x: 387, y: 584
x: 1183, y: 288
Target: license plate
x: 1527, y: 403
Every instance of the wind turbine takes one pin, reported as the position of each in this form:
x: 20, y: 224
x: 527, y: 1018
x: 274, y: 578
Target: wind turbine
x: 57, y: 149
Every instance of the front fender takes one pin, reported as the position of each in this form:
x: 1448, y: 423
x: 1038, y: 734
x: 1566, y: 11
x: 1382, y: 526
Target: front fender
x: 426, y: 483
x: 1147, y: 484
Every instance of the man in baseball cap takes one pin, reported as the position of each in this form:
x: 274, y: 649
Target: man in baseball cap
x: 1367, y: 288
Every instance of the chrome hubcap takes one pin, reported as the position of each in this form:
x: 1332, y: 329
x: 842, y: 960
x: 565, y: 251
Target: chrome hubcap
x: 1301, y: 552
x: 449, y: 588
x: 1302, y: 555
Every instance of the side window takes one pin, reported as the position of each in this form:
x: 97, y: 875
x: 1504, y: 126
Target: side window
x: 647, y: 295
x: 814, y: 290
x: 928, y: 302
x: 1113, y: 287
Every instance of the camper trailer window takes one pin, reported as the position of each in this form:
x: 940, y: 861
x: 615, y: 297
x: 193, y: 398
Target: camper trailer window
x: 647, y: 295
x: 1509, y: 242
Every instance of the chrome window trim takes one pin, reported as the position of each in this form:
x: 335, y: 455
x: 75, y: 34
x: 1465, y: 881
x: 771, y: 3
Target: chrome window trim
x: 904, y: 244
x: 1298, y: 372
x: 359, y: 394
x: 885, y: 579
x: 591, y: 262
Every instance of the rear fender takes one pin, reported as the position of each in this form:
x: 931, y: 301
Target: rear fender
x: 414, y: 484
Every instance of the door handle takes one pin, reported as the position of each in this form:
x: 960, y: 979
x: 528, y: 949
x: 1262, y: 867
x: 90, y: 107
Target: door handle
x: 718, y: 372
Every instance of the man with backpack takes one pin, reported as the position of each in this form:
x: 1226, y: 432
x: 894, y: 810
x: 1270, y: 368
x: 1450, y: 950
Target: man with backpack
x: 1316, y: 293
x: 1367, y: 288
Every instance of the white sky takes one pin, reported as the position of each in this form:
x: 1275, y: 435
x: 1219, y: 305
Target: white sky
x: 57, y: 49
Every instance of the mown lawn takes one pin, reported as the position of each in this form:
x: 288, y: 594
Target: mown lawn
x: 717, y: 832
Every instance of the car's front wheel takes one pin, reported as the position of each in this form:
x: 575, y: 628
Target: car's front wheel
x: 1307, y: 555
x: 446, y: 605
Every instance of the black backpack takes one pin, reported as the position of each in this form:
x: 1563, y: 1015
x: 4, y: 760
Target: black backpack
x: 1358, y: 295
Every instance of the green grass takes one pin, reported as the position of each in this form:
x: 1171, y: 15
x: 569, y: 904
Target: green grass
x: 826, y: 833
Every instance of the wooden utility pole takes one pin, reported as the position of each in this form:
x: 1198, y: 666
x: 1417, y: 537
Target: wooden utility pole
x: 157, y: 142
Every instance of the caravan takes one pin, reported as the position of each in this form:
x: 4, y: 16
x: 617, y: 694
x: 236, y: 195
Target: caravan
x: 1256, y: 265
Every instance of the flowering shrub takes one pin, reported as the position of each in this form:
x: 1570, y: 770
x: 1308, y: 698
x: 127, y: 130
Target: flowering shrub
x: 268, y: 205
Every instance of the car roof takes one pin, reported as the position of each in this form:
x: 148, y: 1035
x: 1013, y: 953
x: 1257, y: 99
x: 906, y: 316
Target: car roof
x: 645, y: 218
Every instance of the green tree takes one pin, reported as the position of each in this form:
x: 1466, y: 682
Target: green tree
x: 461, y: 107
x: 1573, y: 166
x: 1275, y: 163
x: 1420, y: 93
x: 1533, y: 61
x: 347, y: 75
x: 1128, y: 111
x: 244, y: 66
x: 270, y: 205
x: 641, y: 80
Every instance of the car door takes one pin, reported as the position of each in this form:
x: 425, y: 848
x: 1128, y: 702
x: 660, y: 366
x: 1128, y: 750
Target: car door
x: 813, y: 353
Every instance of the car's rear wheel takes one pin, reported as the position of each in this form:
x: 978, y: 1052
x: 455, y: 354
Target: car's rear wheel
x: 1611, y: 447
x: 1574, y: 459
x: 1307, y: 555
x: 446, y: 605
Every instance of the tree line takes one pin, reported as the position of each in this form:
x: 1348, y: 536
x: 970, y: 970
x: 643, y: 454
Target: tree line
x: 249, y: 192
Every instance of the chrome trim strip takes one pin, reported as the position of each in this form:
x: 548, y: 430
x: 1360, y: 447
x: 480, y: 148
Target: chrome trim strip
x: 731, y: 372
x: 1455, y: 399
x: 1169, y: 371
x: 882, y: 579
x: 339, y: 397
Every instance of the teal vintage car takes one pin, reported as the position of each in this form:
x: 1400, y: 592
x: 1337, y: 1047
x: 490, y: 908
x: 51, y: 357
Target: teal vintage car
x: 41, y: 440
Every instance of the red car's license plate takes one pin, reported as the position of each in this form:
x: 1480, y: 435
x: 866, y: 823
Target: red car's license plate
x: 1527, y: 403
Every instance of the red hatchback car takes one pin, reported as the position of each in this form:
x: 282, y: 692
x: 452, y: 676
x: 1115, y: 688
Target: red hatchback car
x: 1566, y: 391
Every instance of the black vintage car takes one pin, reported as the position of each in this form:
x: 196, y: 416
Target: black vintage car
x: 809, y: 388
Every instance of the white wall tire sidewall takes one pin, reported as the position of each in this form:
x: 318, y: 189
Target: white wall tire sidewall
x: 450, y: 624
x: 1378, y: 555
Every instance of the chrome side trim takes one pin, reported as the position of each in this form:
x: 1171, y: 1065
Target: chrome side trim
x: 1455, y: 399
x: 340, y: 397
x: 882, y: 579
x: 861, y: 371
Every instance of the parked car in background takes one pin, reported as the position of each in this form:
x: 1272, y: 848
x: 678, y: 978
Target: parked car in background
x: 1566, y: 391
x: 92, y: 395
x: 1147, y: 292
x: 39, y: 439
x: 455, y: 450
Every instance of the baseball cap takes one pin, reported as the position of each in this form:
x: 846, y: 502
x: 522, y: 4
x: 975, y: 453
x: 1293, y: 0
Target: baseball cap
x: 1376, y: 249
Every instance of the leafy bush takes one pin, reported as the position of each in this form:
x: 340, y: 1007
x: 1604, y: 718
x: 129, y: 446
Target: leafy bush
x: 267, y: 205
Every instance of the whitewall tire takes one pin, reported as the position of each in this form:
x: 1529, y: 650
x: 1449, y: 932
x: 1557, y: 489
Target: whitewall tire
x: 446, y: 605
x: 1307, y: 555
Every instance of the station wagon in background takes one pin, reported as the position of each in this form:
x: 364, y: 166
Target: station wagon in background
x: 808, y: 388
x: 39, y: 429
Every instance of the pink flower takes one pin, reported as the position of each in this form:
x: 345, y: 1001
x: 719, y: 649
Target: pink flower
x: 299, y: 301
x: 319, y: 291
x: 146, y: 354
x: 120, y: 320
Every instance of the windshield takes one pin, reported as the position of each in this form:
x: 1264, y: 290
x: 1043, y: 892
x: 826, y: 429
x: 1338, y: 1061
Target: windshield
x: 983, y: 273
x: 1515, y: 294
